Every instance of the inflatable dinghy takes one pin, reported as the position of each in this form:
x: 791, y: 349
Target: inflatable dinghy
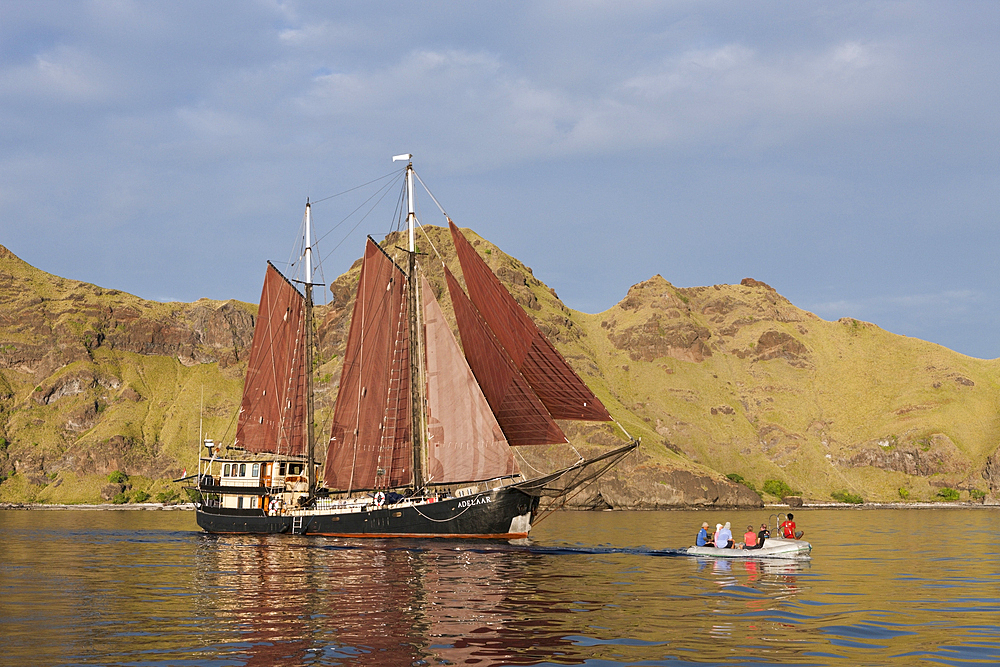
x: 774, y: 547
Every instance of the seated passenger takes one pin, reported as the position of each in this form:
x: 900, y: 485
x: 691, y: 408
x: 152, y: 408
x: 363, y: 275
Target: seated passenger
x: 763, y: 534
x: 703, y: 539
x: 788, y: 529
x: 724, y: 537
x: 750, y: 538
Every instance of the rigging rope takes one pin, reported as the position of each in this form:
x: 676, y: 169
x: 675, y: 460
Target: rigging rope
x: 386, y: 189
x: 436, y: 251
x: 518, y: 452
x: 441, y: 208
x: 358, y: 187
x: 451, y: 518
x: 622, y: 428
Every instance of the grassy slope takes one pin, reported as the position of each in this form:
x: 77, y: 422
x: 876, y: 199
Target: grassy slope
x: 161, y: 426
x: 49, y: 331
x: 855, y: 385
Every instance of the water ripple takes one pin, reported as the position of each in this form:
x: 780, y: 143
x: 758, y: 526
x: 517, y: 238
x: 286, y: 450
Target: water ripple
x: 88, y: 588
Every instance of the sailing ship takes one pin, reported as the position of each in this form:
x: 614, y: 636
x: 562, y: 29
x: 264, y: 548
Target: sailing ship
x: 422, y: 434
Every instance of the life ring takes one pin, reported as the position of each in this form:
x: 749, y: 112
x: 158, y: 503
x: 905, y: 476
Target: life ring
x: 379, y: 499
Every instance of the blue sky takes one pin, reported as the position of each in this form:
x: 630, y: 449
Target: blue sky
x: 846, y: 153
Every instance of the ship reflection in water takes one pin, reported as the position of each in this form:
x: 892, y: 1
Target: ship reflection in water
x: 386, y: 603
x: 300, y: 601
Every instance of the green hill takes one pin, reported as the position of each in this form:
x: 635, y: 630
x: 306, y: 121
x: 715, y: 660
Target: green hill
x: 737, y: 378
x: 721, y: 380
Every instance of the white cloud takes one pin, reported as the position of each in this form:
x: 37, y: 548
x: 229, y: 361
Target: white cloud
x: 63, y: 74
x: 318, y: 36
x: 726, y: 87
x: 478, y: 101
x: 438, y: 77
x: 930, y: 305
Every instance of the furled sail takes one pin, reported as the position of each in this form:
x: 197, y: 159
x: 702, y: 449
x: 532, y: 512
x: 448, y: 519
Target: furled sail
x: 520, y: 413
x: 560, y: 389
x: 272, y: 410
x: 464, y: 440
x: 370, y: 442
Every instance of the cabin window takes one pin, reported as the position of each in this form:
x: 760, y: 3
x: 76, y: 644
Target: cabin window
x: 295, y: 469
x: 225, y: 471
x: 256, y: 470
x: 253, y: 503
x: 243, y: 470
x: 239, y: 502
x: 281, y: 469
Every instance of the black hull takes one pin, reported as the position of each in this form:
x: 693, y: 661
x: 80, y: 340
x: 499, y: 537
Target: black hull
x: 504, y: 513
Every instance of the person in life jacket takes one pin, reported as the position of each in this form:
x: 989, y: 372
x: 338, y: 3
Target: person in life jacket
x: 788, y: 529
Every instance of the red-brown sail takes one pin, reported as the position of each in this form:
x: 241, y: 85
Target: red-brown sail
x: 464, y: 440
x: 560, y: 389
x: 370, y: 442
x: 272, y: 410
x: 520, y: 413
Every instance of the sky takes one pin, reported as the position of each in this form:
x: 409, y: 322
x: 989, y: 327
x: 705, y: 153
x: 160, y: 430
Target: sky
x: 844, y: 152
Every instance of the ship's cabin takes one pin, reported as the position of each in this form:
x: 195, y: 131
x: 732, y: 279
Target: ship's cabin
x: 258, y: 473
x: 248, y: 484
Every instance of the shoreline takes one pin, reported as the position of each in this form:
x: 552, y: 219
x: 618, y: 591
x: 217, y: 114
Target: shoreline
x: 823, y: 506
x: 182, y: 507
x: 886, y: 506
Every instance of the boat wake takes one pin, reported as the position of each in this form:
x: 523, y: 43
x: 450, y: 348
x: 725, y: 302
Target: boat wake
x: 517, y: 546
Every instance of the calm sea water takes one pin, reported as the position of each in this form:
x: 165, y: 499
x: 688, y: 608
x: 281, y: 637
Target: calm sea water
x: 885, y: 587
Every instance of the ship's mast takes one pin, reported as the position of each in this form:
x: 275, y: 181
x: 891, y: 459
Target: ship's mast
x: 416, y: 397
x: 310, y: 435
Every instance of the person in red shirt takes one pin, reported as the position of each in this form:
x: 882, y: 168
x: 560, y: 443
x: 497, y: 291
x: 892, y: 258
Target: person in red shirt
x: 788, y: 529
x: 750, y: 539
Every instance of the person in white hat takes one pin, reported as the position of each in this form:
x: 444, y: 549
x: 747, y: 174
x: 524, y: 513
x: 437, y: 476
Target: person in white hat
x: 724, y: 537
